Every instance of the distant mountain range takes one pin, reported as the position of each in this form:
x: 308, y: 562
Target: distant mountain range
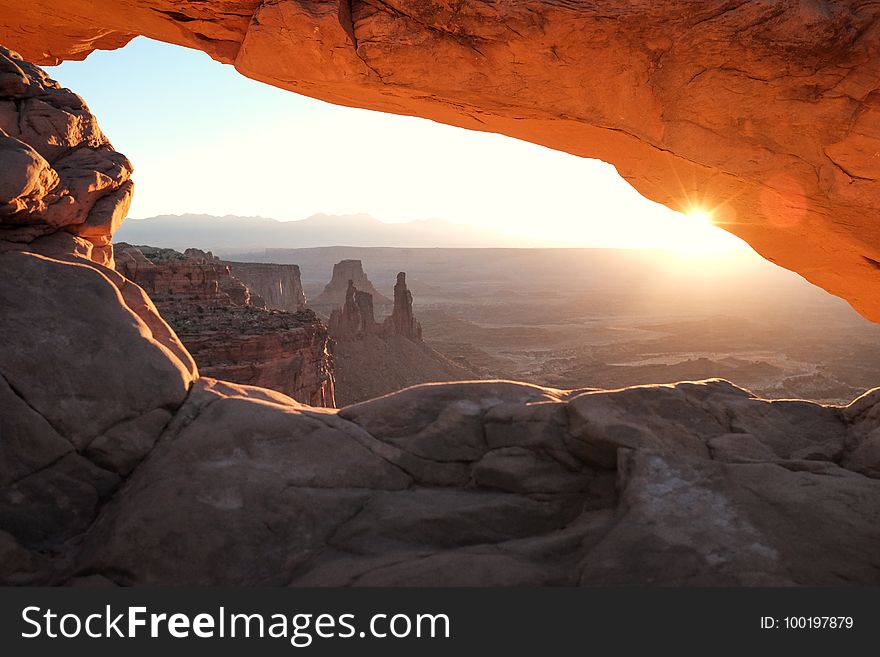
x: 232, y: 233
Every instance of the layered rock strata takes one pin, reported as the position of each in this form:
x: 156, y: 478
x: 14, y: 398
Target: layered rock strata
x: 229, y: 332
x: 280, y: 286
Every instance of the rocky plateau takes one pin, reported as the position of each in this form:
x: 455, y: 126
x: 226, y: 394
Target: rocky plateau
x: 279, y: 286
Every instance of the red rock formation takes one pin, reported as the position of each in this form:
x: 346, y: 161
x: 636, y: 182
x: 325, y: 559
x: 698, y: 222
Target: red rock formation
x: 168, y: 275
x: 346, y: 272
x: 766, y: 112
x: 280, y: 286
x: 228, y: 335
x: 356, y: 318
x: 62, y: 183
x: 372, y: 359
x: 402, y: 322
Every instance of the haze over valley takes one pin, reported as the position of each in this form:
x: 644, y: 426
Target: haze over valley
x: 566, y: 318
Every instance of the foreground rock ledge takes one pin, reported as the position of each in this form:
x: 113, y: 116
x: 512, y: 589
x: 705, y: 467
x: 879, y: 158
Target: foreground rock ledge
x: 765, y: 112
x: 119, y: 466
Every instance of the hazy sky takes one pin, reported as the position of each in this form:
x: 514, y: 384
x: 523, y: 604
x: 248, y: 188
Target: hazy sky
x: 205, y: 139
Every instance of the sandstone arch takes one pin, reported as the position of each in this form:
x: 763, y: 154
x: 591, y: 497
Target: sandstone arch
x: 768, y: 112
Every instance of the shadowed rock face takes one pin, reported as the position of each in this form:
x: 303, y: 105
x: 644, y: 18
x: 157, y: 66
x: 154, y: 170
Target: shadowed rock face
x: 766, y: 112
x: 355, y: 318
x: 372, y: 359
x: 402, y: 321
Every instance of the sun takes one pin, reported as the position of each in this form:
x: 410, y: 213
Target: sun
x: 700, y: 215
x: 700, y: 233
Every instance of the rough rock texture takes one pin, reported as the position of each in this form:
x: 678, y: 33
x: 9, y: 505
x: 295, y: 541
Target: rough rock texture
x: 89, y: 377
x: 345, y: 272
x: 372, y: 359
x: 229, y: 332
x: 280, y: 286
x: 168, y: 275
x: 766, y: 112
x: 60, y: 174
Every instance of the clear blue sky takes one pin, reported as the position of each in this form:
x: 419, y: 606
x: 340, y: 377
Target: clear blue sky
x: 205, y: 139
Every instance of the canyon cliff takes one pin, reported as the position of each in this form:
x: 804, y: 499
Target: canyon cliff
x: 120, y: 465
x: 765, y: 113
x: 279, y: 286
x: 230, y: 332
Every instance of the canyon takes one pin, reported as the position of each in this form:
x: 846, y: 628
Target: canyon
x: 228, y: 330
x: 121, y: 465
x: 608, y: 318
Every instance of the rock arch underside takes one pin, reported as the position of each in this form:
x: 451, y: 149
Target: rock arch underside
x: 119, y: 464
